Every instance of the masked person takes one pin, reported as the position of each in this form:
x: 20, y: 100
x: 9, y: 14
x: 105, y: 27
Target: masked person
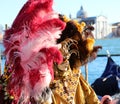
x: 40, y: 71
x: 77, y: 48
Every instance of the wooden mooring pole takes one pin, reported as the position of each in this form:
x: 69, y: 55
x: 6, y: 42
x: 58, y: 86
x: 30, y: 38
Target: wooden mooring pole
x: 86, y: 72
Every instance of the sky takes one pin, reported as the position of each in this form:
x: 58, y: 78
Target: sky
x: 108, y: 8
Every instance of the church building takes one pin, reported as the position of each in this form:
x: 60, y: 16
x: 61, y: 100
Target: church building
x: 100, y: 23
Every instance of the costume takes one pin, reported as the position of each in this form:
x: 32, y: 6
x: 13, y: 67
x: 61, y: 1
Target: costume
x: 69, y: 86
x: 40, y: 68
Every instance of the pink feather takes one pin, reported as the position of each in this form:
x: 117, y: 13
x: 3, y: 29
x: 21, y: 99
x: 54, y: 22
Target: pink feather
x: 30, y: 44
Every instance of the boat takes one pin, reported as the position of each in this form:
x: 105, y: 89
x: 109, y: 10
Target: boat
x: 109, y: 81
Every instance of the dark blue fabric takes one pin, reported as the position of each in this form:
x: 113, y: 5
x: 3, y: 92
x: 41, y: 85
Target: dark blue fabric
x: 107, y: 84
x: 111, y: 68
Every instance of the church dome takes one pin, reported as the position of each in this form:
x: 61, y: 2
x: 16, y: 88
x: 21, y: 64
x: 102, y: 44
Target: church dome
x: 81, y: 13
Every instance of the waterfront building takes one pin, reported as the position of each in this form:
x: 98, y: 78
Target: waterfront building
x: 1, y: 37
x: 115, y: 29
x: 100, y: 23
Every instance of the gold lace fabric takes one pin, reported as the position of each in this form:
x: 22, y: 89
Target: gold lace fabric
x: 66, y: 87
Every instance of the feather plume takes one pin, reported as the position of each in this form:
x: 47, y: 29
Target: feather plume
x: 30, y: 47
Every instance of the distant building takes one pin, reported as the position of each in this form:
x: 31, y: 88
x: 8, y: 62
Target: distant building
x: 1, y: 33
x: 81, y: 13
x: 100, y: 23
x: 1, y: 38
x: 115, y: 30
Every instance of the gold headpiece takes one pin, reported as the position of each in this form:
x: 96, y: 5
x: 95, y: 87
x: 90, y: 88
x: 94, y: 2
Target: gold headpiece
x: 80, y: 26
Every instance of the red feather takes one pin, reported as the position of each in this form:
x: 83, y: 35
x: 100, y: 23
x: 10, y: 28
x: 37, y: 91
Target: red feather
x: 30, y: 45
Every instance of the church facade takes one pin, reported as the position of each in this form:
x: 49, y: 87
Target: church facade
x: 100, y: 23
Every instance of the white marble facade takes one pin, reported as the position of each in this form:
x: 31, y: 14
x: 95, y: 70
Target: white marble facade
x: 100, y: 23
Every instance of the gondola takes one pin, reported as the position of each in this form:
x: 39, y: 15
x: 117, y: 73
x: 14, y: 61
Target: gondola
x: 109, y: 81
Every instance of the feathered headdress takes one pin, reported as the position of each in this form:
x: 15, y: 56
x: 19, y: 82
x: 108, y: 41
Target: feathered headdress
x: 79, y: 39
x: 31, y: 49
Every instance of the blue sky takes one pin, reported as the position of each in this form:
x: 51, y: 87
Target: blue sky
x: 109, y: 8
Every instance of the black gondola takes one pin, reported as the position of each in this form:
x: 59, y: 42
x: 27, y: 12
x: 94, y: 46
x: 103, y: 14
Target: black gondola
x: 109, y: 82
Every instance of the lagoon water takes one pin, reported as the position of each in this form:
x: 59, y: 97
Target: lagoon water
x: 96, y: 67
